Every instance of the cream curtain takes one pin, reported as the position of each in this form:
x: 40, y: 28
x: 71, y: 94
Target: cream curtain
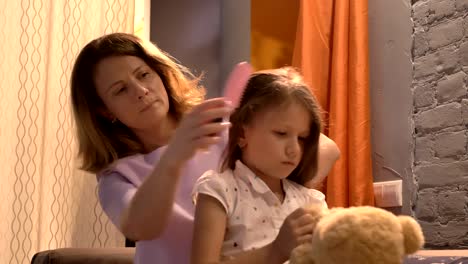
x: 46, y: 202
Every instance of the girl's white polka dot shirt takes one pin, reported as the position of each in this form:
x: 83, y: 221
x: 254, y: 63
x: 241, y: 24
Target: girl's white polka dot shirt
x: 254, y: 212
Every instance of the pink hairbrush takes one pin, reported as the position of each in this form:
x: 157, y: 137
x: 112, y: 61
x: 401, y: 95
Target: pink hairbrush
x: 235, y: 84
x: 237, y: 81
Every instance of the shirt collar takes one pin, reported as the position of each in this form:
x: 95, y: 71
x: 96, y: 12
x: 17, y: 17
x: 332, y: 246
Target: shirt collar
x: 247, y: 175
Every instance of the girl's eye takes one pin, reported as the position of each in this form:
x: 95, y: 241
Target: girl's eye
x: 280, y: 133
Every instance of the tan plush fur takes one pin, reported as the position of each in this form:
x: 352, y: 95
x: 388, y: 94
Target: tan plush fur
x: 359, y: 235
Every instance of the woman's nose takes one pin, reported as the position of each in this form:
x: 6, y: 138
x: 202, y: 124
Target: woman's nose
x: 139, y: 90
x: 144, y: 92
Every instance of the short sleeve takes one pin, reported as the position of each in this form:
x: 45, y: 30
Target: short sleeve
x: 316, y: 197
x: 115, y: 193
x: 215, y: 185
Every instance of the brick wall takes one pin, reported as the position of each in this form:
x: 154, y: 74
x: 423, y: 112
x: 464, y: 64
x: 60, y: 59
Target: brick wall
x: 440, y: 169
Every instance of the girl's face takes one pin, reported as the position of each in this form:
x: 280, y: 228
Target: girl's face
x: 272, y: 145
x: 132, y: 92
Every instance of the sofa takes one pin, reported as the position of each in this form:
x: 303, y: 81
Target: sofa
x: 125, y: 256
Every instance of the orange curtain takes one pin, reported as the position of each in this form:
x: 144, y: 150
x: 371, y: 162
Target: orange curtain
x: 331, y: 49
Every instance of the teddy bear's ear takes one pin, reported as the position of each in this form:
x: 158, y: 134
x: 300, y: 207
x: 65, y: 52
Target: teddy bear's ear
x: 412, y: 234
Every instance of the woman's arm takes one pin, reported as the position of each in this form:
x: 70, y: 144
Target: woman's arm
x: 150, y: 208
x: 329, y: 153
x: 147, y: 215
x: 210, y: 226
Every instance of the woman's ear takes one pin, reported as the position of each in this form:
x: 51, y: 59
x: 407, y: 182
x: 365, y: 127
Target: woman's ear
x: 107, y: 115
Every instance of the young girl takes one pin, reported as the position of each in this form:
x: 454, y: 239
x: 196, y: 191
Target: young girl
x: 247, y: 209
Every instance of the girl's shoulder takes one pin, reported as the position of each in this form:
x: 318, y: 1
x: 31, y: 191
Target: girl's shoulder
x: 310, y: 194
x: 217, y: 185
x: 224, y: 178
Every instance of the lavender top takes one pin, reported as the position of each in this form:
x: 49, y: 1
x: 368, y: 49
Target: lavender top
x: 119, y: 182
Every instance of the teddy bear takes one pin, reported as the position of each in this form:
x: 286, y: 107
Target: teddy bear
x: 359, y: 235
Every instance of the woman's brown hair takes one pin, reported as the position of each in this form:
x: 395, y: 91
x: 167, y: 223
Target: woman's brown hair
x: 101, y: 141
x: 276, y: 88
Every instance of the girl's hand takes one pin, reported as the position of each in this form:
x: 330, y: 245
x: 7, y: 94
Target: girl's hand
x: 297, y: 229
x: 198, y: 130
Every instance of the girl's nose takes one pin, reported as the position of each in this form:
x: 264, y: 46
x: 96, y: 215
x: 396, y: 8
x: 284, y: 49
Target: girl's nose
x: 293, y: 149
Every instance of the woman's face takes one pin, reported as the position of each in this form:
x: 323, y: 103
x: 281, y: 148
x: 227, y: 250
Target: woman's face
x: 132, y: 92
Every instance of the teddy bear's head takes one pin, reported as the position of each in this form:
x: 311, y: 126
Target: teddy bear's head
x: 359, y: 235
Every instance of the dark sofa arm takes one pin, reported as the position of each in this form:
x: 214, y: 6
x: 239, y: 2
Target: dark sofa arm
x: 85, y: 256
